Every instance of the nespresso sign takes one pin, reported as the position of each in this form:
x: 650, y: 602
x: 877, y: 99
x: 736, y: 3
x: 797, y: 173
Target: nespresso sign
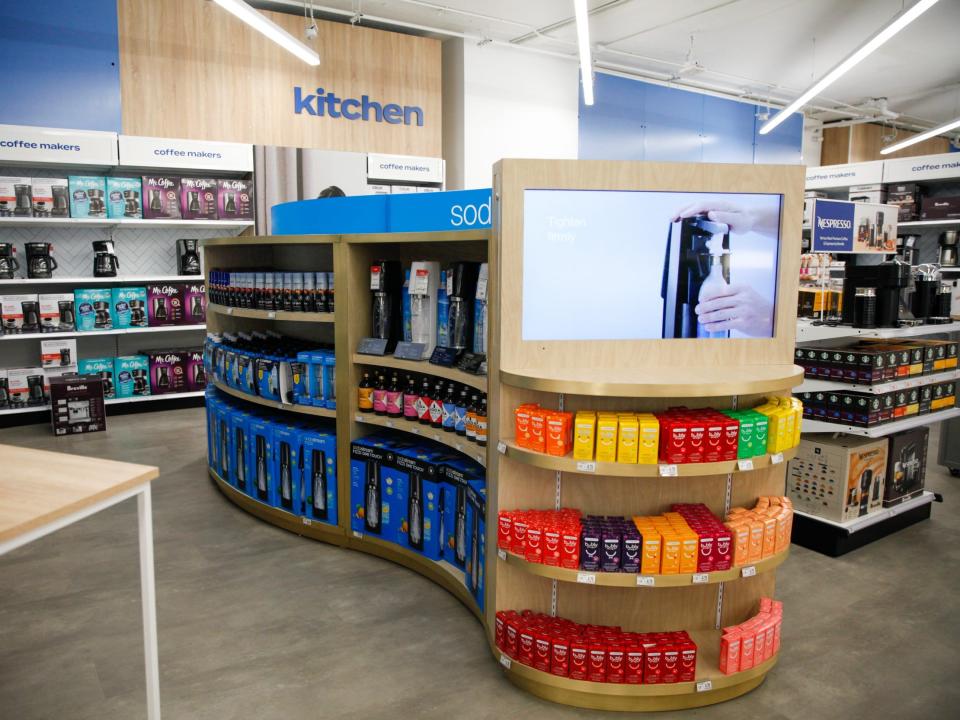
x: 326, y: 104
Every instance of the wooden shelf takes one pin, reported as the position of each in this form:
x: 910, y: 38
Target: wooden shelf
x: 662, y: 382
x: 630, y: 580
x: 270, y: 314
x: 567, y: 464
x: 673, y: 696
x: 451, y: 440
x: 475, y: 381
x: 301, y: 409
x: 882, y: 430
x: 808, y: 332
x: 258, y: 240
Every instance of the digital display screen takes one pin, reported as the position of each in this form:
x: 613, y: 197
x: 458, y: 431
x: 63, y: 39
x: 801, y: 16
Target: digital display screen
x: 639, y: 265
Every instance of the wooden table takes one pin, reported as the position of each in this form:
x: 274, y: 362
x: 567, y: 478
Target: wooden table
x: 41, y: 492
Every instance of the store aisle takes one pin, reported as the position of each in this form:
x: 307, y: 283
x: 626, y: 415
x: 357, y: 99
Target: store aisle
x: 256, y: 623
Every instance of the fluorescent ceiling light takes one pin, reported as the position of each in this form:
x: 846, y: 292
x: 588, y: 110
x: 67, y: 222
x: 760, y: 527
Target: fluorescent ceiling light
x: 583, y: 41
x: 921, y: 137
x: 267, y: 27
x: 895, y: 26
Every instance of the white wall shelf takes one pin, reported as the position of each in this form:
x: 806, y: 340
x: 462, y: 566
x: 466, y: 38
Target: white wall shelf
x: 102, y: 333
x: 852, y: 526
x: 808, y: 332
x: 877, y: 431
x: 813, y: 385
x: 119, y: 280
x: 238, y: 225
x: 110, y: 401
x: 927, y: 223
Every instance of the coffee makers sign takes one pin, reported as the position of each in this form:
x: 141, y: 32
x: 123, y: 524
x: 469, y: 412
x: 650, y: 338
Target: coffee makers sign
x: 21, y: 144
x: 847, y: 227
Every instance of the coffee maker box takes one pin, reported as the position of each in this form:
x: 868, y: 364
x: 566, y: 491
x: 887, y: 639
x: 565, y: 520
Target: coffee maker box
x: 235, y: 199
x: 161, y: 197
x: 15, y: 197
x: 198, y: 198
x: 131, y: 374
x: 94, y: 307
x: 165, y: 305
x: 167, y: 371
x: 26, y: 386
x: 194, y: 303
x: 196, y: 375
x: 102, y: 368
x: 129, y: 306
x: 87, y: 196
x: 57, y: 313
x: 59, y: 354
x: 15, y: 316
x: 838, y: 478
x: 124, y: 197
x: 940, y: 208
x: 77, y: 405
x: 50, y: 197
x: 906, y: 465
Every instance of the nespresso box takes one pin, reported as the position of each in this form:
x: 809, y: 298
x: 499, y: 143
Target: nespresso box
x: 940, y: 208
x: 76, y: 405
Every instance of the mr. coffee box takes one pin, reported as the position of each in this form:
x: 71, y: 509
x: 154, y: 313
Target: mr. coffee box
x: 124, y: 197
x: 194, y: 303
x: 235, y: 199
x: 87, y: 196
x: 164, y: 304
x: 161, y: 197
x: 196, y: 377
x: 76, y: 405
x: 198, y: 198
x: 50, y: 197
x: 167, y: 371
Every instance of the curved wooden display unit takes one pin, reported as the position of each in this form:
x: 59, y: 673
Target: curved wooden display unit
x: 457, y: 442
x: 299, y: 409
x: 270, y: 314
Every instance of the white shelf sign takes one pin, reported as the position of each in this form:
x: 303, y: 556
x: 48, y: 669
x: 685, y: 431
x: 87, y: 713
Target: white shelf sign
x: 866, y: 173
x: 668, y: 471
x: 24, y: 144
x: 505, y: 661
x: 923, y: 167
x: 502, y: 554
x: 701, y: 578
x: 646, y: 581
x: 744, y: 464
x: 587, y: 578
x: 776, y: 458
x: 704, y: 685
x: 179, y: 153
x: 586, y: 467
x: 404, y: 168
x: 749, y: 571
x: 502, y: 448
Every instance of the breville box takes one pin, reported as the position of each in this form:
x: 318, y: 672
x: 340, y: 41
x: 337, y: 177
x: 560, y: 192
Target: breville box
x: 76, y: 405
x: 51, y: 197
x: 906, y: 465
x: 161, y: 197
x: 235, y: 199
x: 198, y: 198
x: 940, y: 208
x: 57, y: 313
x: 15, y: 197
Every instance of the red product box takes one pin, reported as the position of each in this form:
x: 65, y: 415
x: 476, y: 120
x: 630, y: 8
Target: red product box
x: 525, y: 646
x: 731, y: 437
x: 688, y: 661
x: 673, y: 441
x: 570, y: 547
x: 707, y: 545
x: 551, y: 546
x: 505, y: 530
x: 776, y: 637
x: 716, y: 445
x: 500, y: 628
x: 770, y: 642
x: 597, y: 663
x: 511, y: 636
x: 518, y: 545
x: 652, y: 665
x: 671, y: 664
x: 730, y: 652
x: 616, y: 663
x: 696, y: 440
x: 533, y: 549
x: 579, y: 659
x: 633, y: 672
x: 759, y: 642
x: 542, y: 654
x: 538, y: 430
x: 560, y: 656
x: 723, y: 550
x: 746, y: 650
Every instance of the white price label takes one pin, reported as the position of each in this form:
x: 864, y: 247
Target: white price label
x: 502, y: 554
x: 229, y: 311
x: 436, y: 436
x: 749, y: 571
x: 307, y: 521
x: 505, y: 661
x: 776, y: 458
x: 358, y: 534
x: 375, y: 277
x: 586, y: 467
x: 420, y: 282
x: 481, y: 288
x: 701, y: 578
x: 588, y: 578
x: 502, y: 448
x: 458, y: 446
x: 646, y: 581
x: 479, y: 459
x: 668, y: 471
x: 389, y: 423
x: 745, y: 464
x: 271, y: 315
x: 359, y: 418
x: 704, y: 685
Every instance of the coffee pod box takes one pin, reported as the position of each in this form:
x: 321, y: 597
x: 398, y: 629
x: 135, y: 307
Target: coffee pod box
x: 82, y: 188
x: 76, y: 405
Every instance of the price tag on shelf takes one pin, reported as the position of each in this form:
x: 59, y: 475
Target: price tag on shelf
x: 271, y: 314
x: 458, y: 446
x: 358, y: 417
x: 749, y: 571
x: 229, y: 311
x: 668, y: 471
x: 646, y: 581
x: 415, y: 430
x: 502, y: 448
x: 704, y: 685
x: 436, y: 436
x: 776, y: 458
x: 701, y: 578
x: 588, y: 578
x: 479, y: 459
x: 502, y: 554
x: 745, y: 464
x: 505, y: 661
x: 420, y: 281
x: 358, y: 535
x: 307, y: 521
x: 586, y: 467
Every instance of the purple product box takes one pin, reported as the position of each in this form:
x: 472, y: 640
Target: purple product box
x: 165, y: 305
x: 590, y: 548
x: 195, y: 372
x: 198, y: 198
x: 194, y: 299
x: 167, y: 371
x: 161, y: 197
x: 630, y: 561
x: 610, y: 562
x: 235, y: 199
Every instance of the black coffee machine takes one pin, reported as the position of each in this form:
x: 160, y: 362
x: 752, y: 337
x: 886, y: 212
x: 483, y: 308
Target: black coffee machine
x: 61, y: 203
x: 97, y: 207
x: 188, y: 257
x: 685, y: 267
x: 105, y: 262
x: 131, y: 204
x: 138, y: 314
x: 8, y: 261
x: 888, y: 278
x: 102, y: 317
x: 40, y: 262
x: 24, y: 206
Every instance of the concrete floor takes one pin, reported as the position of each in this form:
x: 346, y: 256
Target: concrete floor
x: 256, y: 623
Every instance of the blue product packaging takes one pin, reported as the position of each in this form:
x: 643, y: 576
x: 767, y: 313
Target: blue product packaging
x: 329, y: 380
x: 129, y: 306
x: 245, y: 375
x: 224, y: 423
x: 300, y: 373
x: 124, y: 197
x: 211, y: 402
x: 424, y: 524
x: 370, y: 492
x: 320, y: 476
x: 314, y: 369
x: 131, y: 375
x: 237, y: 447
x: 476, y: 540
x: 102, y: 368
x: 94, y: 307
x: 87, y: 196
x: 260, y: 459
x: 268, y: 376
x: 406, y: 309
x: 443, y: 310
x: 287, y: 467
x: 455, y: 475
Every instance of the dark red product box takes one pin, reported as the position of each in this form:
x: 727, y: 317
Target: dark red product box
x: 579, y: 659
x: 597, y: 668
x: 551, y: 546
x: 560, y: 656
x: 542, y: 655
x: 652, y: 665
x: 533, y: 551
x: 512, y: 637
x: 688, y: 661
x: 519, y: 544
x: 500, y: 627
x: 525, y: 646
x: 616, y: 663
x: 633, y: 673
x: 504, y: 531
x: 671, y: 664
x: 570, y: 548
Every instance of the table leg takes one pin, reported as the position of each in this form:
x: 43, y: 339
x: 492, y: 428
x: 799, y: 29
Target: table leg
x: 149, y: 600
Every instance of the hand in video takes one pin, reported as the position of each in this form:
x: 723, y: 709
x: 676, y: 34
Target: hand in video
x: 741, y: 218
x: 739, y: 307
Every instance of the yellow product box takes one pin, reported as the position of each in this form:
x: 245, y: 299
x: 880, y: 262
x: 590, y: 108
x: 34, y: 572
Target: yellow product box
x: 584, y: 435
x: 607, y: 426
x: 628, y: 436
x: 648, y: 451
x: 670, y: 560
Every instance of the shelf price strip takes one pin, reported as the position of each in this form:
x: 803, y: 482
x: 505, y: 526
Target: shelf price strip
x: 668, y: 471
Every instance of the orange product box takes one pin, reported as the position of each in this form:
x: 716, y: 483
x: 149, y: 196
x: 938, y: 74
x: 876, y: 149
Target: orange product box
x: 756, y: 541
x: 670, y: 560
x: 769, y: 536
x: 769, y: 645
x: 538, y: 429
x: 650, y: 560
x: 783, y: 537
x: 759, y: 640
x: 521, y: 417
x: 746, y: 650
x: 741, y: 541
x: 730, y: 652
x: 559, y: 436
x: 776, y: 636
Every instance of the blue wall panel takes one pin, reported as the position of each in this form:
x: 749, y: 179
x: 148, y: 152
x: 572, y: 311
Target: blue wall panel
x: 673, y: 125
x: 61, y: 64
x: 617, y: 133
x: 728, y: 128
x: 782, y: 145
